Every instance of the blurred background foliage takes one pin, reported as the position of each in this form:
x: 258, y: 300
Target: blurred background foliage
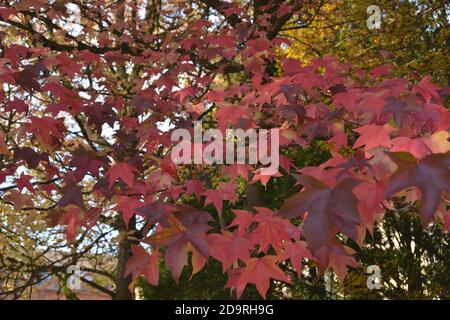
x: 414, y: 36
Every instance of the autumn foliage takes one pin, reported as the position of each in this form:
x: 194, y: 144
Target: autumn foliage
x: 83, y: 140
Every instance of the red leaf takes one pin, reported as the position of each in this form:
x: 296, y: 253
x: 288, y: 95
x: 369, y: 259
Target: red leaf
x: 124, y: 171
x: 188, y: 228
x: 273, y: 230
x: 175, y: 258
x: 71, y: 195
x: 17, y: 105
x: 18, y: 199
x: 295, y: 252
x: 194, y: 187
x: 329, y: 210
x: 143, y: 263
x: 339, y: 260
x: 128, y: 206
x: 263, y: 178
x: 215, y: 197
x: 382, y: 70
x: 87, y: 161
x: 431, y: 175
x: 374, y: 136
x: 74, y: 219
x: 198, y: 261
x: 236, y: 115
x: 49, y: 130
x: 423, y: 146
x: 258, y: 271
x: 6, y: 13
x: 243, y: 220
x: 229, y: 248
x: 24, y: 182
x: 26, y: 79
x: 427, y: 90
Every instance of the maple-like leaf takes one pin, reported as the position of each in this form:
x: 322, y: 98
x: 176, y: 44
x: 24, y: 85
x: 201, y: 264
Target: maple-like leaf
x: 215, y: 197
x: 18, y: 200
x: 263, y: 178
x: 175, y: 255
x: 47, y: 129
x: 229, y: 248
x: 422, y: 146
x: 273, y: 230
x: 27, y: 80
x: 427, y: 90
x: 402, y: 108
x: 73, y: 217
x: 348, y: 99
x: 339, y: 259
x: 17, y: 105
x: 176, y: 258
x: 24, y: 182
x: 31, y: 157
x: 236, y: 170
x: 71, y: 195
x: 243, y: 220
x: 370, y: 195
x: 258, y: 271
x: 128, y: 207
x: 372, y: 136
x: 143, y: 263
x: 188, y: 227
x: 198, y: 261
x: 195, y: 187
x: 329, y: 209
x: 295, y: 252
x: 431, y: 175
x: 237, y: 116
x: 165, y: 235
x: 382, y: 70
x: 87, y: 161
x: 155, y: 210
x: 124, y: 171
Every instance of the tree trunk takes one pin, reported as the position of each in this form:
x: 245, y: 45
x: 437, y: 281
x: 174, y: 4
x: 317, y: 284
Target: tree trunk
x: 253, y: 197
x: 122, y: 283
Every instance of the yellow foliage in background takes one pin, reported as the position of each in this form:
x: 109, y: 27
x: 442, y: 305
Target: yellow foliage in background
x: 414, y: 36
